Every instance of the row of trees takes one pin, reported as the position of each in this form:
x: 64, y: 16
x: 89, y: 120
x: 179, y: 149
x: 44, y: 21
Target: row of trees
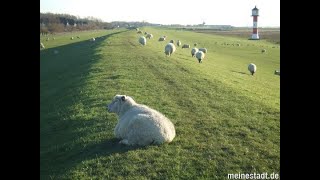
x: 52, y: 23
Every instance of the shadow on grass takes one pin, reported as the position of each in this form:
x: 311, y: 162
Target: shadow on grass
x: 240, y: 72
x: 64, y: 121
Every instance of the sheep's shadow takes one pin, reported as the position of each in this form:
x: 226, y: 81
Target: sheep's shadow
x: 106, y: 148
x: 240, y: 72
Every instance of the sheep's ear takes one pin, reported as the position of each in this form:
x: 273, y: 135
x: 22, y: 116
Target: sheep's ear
x: 123, y: 98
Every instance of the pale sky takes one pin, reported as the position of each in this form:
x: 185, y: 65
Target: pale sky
x: 212, y: 12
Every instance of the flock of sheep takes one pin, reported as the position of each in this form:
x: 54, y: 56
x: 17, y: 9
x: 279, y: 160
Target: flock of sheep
x: 170, y: 48
x: 199, y: 53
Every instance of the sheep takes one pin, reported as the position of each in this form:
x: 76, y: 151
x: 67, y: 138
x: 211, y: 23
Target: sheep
x: 137, y: 29
x: 194, y: 51
x: 200, y: 55
x: 238, y: 44
x: 186, y: 46
x: 169, y: 49
x: 71, y: 38
x: 92, y: 39
x: 149, y: 36
x: 276, y: 72
x: 203, y: 50
x: 178, y: 43
x: 41, y: 45
x: 263, y: 51
x: 162, y: 39
x: 139, y: 124
x: 139, y: 32
x: 142, y: 40
x: 172, y: 41
x: 252, y: 68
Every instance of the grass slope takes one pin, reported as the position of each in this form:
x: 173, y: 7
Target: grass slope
x: 226, y: 120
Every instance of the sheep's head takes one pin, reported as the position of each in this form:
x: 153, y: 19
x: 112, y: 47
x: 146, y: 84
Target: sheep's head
x: 117, y: 103
x: 114, y: 106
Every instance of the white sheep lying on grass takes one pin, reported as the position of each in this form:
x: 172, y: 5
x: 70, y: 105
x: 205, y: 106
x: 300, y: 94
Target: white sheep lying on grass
x: 139, y: 124
x: 162, y: 39
x: 186, y: 46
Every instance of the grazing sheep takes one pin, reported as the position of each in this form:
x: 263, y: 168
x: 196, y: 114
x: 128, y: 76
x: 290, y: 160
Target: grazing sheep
x: 169, y: 49
x: 263, y: 51
x: 41, y: 45
x: 186, y: 46
x: 276, y: 72
x: 71, y: 38
x: 178, y: 43
x: 149, y: 36
x: 172, y: 41
x: 139, y: 124
x: 162, y: 39
x: 143, y: 40
x: 200, y: 55
x: 252, y: 68
x: 203, y: 50
x: 92, y: 39
x: 194, y: 51
x: 137, y: 29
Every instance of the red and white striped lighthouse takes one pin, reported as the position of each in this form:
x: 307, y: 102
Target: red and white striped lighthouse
x: 255, y: 14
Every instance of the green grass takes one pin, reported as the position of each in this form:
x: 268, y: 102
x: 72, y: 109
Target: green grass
x: 226, y: 120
